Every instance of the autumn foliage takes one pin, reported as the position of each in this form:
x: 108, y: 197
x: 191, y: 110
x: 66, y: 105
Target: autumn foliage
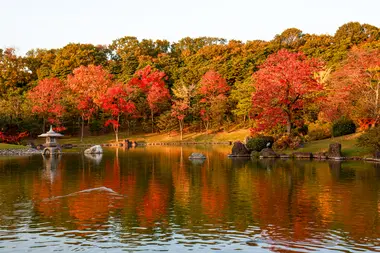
x: 199, y: 84
x: 284, y: 85
x: 213, y: 92
x: 117, y: 101
x: 46, y: 99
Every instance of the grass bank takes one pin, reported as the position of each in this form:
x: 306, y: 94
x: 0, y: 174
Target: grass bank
x: 348, y: 142
x: 11, y: 146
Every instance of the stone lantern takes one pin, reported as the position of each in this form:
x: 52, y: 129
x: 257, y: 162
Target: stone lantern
x: 52, y: 146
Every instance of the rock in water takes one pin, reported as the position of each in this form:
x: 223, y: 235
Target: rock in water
x: 268, y: 153
x: 334, y: 150
x: 97, y: 149
x: 197, y: 156
x: 240, y: 149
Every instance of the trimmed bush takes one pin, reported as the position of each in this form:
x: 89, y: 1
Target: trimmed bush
x: 343, y: 126
x: 285, y: 142
x: 319, y: 131
x: 259, y: 143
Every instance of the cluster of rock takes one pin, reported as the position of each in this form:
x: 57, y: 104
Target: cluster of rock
x: 240, y: 150
x: 18, y: 152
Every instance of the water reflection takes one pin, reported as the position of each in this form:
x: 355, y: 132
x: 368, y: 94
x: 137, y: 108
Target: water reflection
x: 155, y: 198
x: 96, y: 158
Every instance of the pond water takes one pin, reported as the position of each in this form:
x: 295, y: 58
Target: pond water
x: 155, y: 199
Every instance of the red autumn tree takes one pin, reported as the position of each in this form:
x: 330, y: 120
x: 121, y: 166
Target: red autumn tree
x: 152, y: 84
x: 284, y: 85
x: 179, y: 110
x: 46, y: 99
x: 117, y: 101
x: 88, y: 84
x: 356, y: 87
x: 213, y: 92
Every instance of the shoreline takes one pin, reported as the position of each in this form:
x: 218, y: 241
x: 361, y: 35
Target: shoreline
x: 308, y: 156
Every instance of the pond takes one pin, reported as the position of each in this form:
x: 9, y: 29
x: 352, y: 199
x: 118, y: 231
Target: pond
x: 156, y: 199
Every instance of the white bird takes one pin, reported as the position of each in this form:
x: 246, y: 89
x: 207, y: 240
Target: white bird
x: 268, y: 144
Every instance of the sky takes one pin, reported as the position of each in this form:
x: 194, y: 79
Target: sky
x: 29, y: 24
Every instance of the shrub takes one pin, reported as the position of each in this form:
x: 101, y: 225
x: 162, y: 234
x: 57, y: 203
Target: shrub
x: 370, y: 139
x: 319, y: 131
x: 292, y: 142
x: 259, y: 143
x: 343, y: 126
x: 12, y: 139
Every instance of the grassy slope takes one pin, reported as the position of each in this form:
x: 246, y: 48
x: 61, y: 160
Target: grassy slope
x: 348, y: 143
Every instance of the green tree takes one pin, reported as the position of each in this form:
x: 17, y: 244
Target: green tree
x: 73, y: 56
x: 241, y: 94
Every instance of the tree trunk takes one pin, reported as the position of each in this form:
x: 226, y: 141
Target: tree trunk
x: 181, y: 128
x: 128, y: 124
x: 206, y: 126
x: 117, y: 130
x: 151, y: 114
x: 82, y: 129
x: 288, y: 124
x: 377, y: 102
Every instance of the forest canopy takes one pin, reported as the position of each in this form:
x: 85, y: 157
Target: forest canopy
x: 208, y: 84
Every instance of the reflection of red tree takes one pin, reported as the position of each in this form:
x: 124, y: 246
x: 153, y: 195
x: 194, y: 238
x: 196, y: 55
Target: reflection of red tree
x: 181, y: 183
x: 271, y: 206
x: 214, y: 194
x: 90, y: 208
x: 155, y: 204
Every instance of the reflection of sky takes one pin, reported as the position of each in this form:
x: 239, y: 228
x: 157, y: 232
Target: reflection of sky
x: 155, y: 198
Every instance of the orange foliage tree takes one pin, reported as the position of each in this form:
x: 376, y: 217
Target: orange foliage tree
x: 284, y: 85
x: 87, y: 85
x: 213, y: 91
x: 152, y: 84
x: 46, y: 99
x: 356, y: 87
x: 117, y: 101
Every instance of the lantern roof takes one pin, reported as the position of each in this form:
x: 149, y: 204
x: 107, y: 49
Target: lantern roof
x: 50, y: 133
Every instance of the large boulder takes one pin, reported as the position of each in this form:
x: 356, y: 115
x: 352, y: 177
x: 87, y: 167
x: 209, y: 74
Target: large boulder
x: 335, y: 150
x: 97, y: 149
x: 268, y: 153
x: 239, y: 149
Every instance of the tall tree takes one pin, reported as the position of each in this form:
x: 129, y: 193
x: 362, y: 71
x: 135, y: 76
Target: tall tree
x: 179, y: 111
x: 117, y: 101
x: 241, y: 94
x: 14, y: 74
x: 87, y: 86
x: 152, y: 84
x: 73, y: 56
x: 213, y: 91
x: 356, y: 86
x: 46, y: 99
x: 283, y: 86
